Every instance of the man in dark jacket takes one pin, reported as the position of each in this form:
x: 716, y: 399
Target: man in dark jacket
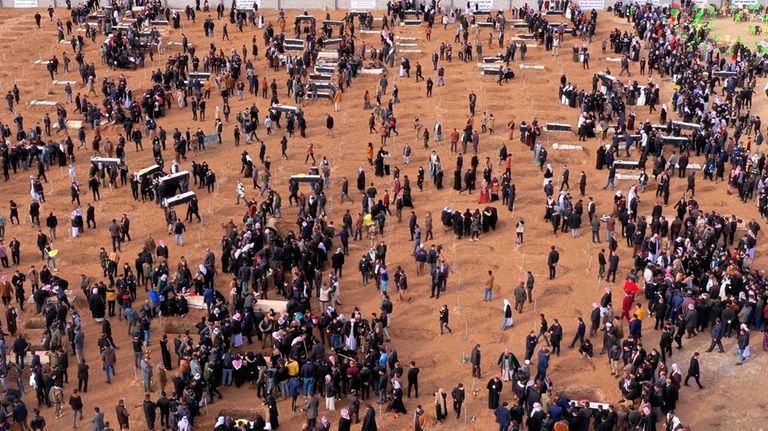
x: 458, y: 399
x: 337, y: 261
x: 150, y: 409
x: 413, y: 379
x: 20, y: 414
x: 475, y: 359
x: 369, y: 421
x: 51, y: 222
x: 552, y: 260
x: 556, y: 336
x: 530, y: 344
x: 694, y: 370
x: 717, y: 335
x: 82, y: 376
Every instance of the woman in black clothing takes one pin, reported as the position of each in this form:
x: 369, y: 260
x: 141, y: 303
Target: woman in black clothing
x: 165, y: 353
x: 273, y: 413
x: 240, y: 373
x: 457, y: 179
x: 14, y: 212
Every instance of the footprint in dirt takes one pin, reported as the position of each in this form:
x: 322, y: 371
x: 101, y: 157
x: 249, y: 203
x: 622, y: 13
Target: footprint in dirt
x: 414, y: 334
x: 471, y: 263
x: 178, y: 327
x: 34, y: 323
x: 563, y: 269
x: 502, y: 337
x: 479, y: 248
x: 527, y: 198
x: 558, y: 290
x: 425, y: 362
x: 582, y: 393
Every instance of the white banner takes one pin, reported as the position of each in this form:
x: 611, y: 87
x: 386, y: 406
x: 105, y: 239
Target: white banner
x: 247, y: 4
x: 587, y: 5
x: 362, y: 4
x: 741, y: 3
x: 25, y: 3
x: 482, y: 5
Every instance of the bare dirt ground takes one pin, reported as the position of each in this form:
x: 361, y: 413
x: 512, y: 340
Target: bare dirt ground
x: 533, y: 94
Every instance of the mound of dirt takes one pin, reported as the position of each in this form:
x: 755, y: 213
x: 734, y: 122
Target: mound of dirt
x: 242, y: 413
x: 559, y: 290
x: 583, y: 393
x: 34, y: 323
x: 177, y: 326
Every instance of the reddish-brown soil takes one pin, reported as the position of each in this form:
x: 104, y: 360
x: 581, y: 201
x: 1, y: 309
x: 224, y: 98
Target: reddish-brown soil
x: 415, y: 330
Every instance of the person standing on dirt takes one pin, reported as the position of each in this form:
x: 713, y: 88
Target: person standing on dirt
x: 178, y: 231
x: 717, y: 333
x: 310, y: 410
x: 122, y: 415
x: 556, y: 336
x: 109, y: 360
x: 625, y: 66
x: 458, y: 399
x: 520, y: 296
x: 488, y: 287
x: 694, y: 370
x: 93, y: 185
x: 530, y: 344
x: 150, y: 412
x: 543, y: 330
x: 581, y: 331
x: 38, y: 19
x: 530, y: 282
x: 90, y: 216
x: 76, y: 403
x: 9, y: 98
x: 146, y: 374
x: 224, y: 33
x: 82, y: 376
x: 552, y: 259
x: 310, y: 154
x: 475, y: 358
x: 114, y: 233
x: 37, y: 422
x: 444, y: 316
x: 20, y: 414
x: 125, y: 227
x: 97, y: 420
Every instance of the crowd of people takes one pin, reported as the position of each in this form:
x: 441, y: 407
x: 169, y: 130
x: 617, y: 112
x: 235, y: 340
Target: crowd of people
x: 691, y: 271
